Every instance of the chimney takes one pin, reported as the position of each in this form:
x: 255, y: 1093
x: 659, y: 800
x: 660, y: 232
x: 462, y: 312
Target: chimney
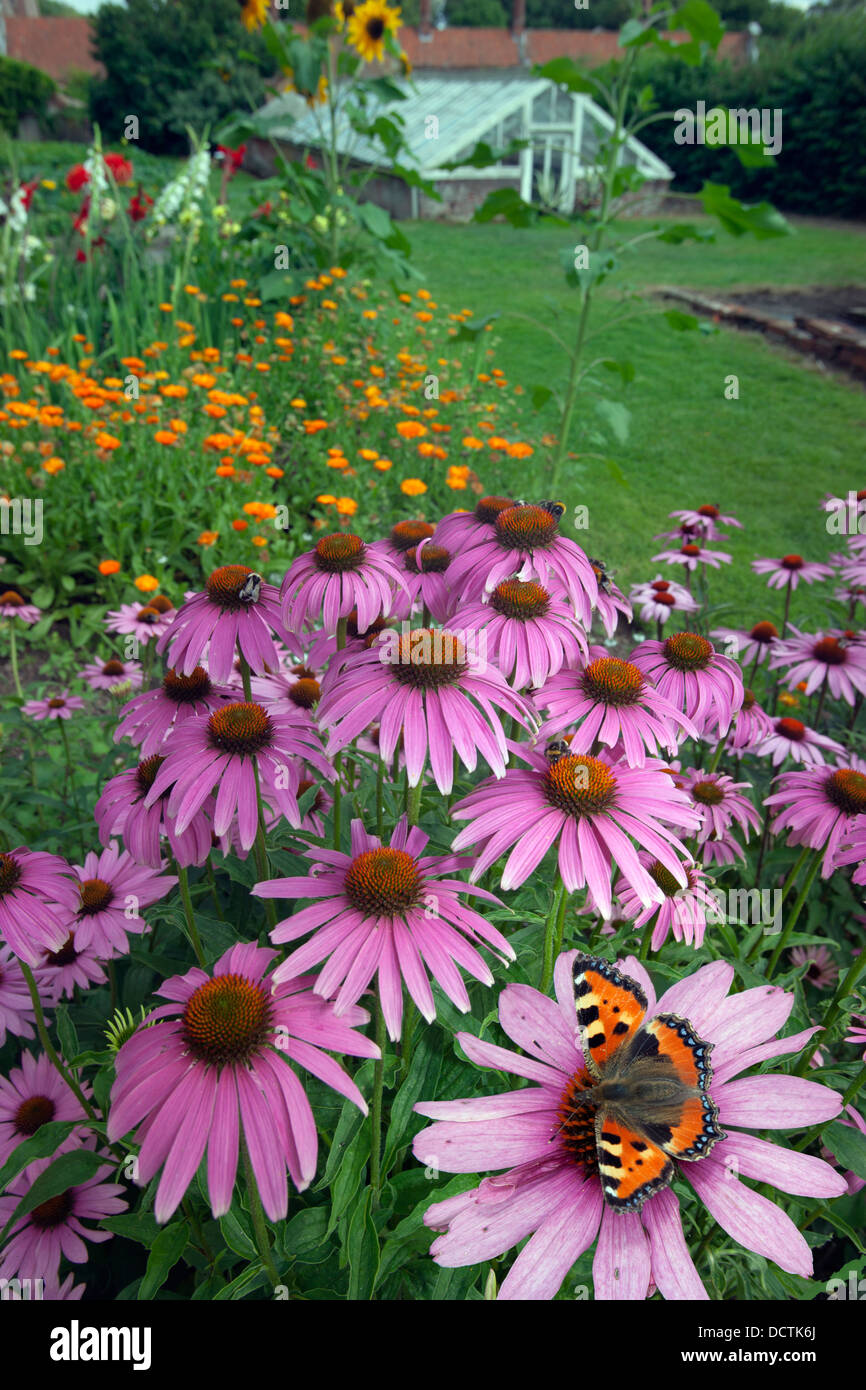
x: 425, y: 26
x: 518, y: 17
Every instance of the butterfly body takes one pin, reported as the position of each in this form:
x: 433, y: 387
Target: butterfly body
x: 647, y: 1091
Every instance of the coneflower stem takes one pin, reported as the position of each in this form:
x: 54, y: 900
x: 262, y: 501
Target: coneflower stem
x: 211, y: 878
x: 338, y: 759
x: 376, y: 1103
x: 13, y: 660
x: 183, y: 885
x: 70, y: 772
x: 259, y: 847
x: 257, y: 1215
x: 380, y: 793
x: 553, y: 933
x: 795, y: 911
x: 716, y: 758
x: 413, y: 802
x: 48, y: 1046
x: 821, y: 698
x: 845, y: 987
x: 646, y: 939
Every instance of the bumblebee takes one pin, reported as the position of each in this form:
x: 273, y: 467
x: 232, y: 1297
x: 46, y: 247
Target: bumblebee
x: 555, y: 509
x: 602, y: 574
x: 556, y: 749
x: 250, y: 589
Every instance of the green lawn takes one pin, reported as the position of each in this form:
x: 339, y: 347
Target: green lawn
x: 795, y: 433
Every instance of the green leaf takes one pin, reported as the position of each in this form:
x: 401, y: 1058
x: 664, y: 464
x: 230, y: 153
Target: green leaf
x: 45, y: 1141
x: 680, y: 321
x: 625, y: 369
x: 306, y: 1232
x: 420, y: 1083
x: 700, y: 20
x: 847, y: 1145
x: 376, y: 220
x: 236, y: 1238
x: 362, y: 1248
x: 761, y: 219
x: 69, y: 1170
x: 507, y: 203
x: 484, y: 155
x: 164, y: 1255
x: 249, y: 1279
x: 539, y: 395
x: 473, y: 328
x: 616, y: 417
x: 348, y: 1178
x: 141, y: 1226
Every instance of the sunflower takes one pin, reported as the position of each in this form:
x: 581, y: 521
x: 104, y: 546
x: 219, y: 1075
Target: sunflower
x: 368, y: 26
x: 254, y: 13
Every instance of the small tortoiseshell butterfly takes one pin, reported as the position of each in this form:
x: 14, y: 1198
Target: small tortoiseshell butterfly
x: 648, y: 1082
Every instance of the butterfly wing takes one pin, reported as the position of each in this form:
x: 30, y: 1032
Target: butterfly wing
x: 631, y: 1167
x: 697, y: 1131
x: 610, y: 1007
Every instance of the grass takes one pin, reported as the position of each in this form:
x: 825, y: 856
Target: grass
x: 795, y: 433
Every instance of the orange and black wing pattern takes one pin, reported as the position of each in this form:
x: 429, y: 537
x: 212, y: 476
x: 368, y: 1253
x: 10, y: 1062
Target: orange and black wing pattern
x: 630, y: 1167
x: 610, y: 1007
x: 697, y: 1131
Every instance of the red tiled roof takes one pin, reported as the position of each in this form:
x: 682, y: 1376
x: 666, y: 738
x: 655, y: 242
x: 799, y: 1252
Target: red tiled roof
x: 498, y: 48
x: 54, y: 45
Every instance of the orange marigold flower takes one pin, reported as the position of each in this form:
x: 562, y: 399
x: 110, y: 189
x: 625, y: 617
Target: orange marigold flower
x: 240, y: 525
x: 165, y: 437
x: 53, y: 465
x: 413, y: 487
x: 107, y: 441
x: 108, y: 566
x: 208, y: 537
x: 313, y: 426
x: 325, y: 499
x: 368, y: 454
x: 346, y: 506
x: 411, y: 429
x: 146, y: 583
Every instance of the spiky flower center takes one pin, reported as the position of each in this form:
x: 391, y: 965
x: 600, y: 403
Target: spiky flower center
x: 375, y: 27
x: 54, y: 1211
x: 224, y: 586
x: 708, y: 793
x: 430, y: 657
x: 227, y: 1020
x: 666, y: 600
x: 32, y: 1113
x: 690, y: 549
x: 368, y: 635
x: 792, y: 729
x: 242, y: 728
x: 186, y: 690
x: 435, y: 559
x: 764, y: 632
x: 406, y: 534
x: 580, y: 785
x: 526, y: 528
x: 487, y: 509
x: 577, y: 1122
x: 661, y: 586
x: 515, y: 599
x: 65, y: 955
x: 665, y: 879
x: 11, y: 599
x: 612, y: 681
x: 145, y: 773
x: 384, y: 882
x: 846, y: 789
x: 749, y: 699
x: 709, y: 510
x: 305, y: 692
x: 688, y: 651
x: 792, y: 562
x: 96, y: 894
x: 339, y: 553
x: 57, y: 703
x: 830, y: 651
x: 113, y: 668
x: 10, y: 873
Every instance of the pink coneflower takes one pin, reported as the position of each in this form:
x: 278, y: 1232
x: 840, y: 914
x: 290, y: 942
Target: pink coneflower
x: 721, y: 849
x: 588, y: 807
x: 69, y: 966
x: 823, y: 657
x: 423, y: 569
x: 684, y: 911
x: 852, y: 593
x: 112, y: 890
x: 405, y: 536
x: 372, y: 918
x: 31, y: 1096
x: 696, y: 678
x: 525, y: 543
x: 324, y: 653
x: 121, y: 810
x: 790, y: 570
x: 611, y: 601
x: 720, y: 801
x: 103, y: 675
x: 67, y: 1292
x: 37, y: 1241
x: 751, y: 726
x: 529, y: 634
x: 429, y: 686
x: 13, y: 605
x: 855, y: 1121
x: 692, y: 555
x: 704, y: 519
x: 821, y: 807
x: 753, y: 646
x: 38, y: 899
x: 340, y: 574
x: 611, y: 700
x: 236, y: 609
x: 820, y: 968
x: 662, y: 598
x: 856, y: 1034
x: 147, y: 718
x: 543, y: 1135
x: 141, y: 620
x: 222, y: 754
x: 460, y: 529
x: 214, y: 1063
x: 16, y: 1006
x: 791, y: 739
x: 298, y: 688
x: 60, y: 706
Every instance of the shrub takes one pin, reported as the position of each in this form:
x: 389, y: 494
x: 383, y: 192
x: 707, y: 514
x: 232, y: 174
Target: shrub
x: 24, y: 91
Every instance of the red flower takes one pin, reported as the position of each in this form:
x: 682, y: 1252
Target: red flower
x: 77, y: 178
x: 138, y: 206
x: 233, y: 158
x: 310, y: 162
x: 121, y: 168
x: 264, y: 209
x: 27, y: 191
x: 79, y: 223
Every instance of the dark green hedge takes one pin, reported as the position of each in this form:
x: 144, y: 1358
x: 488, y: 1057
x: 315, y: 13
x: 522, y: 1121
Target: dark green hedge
x: 818, y: 83
x: 24, y: 91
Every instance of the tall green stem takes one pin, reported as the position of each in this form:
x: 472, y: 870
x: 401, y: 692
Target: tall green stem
x: 183, y: 884
x: 48, y: 1046
x: 795, y: 911
x: 845, y: 987
x: 257, y: 1215
x: 376, y: 1104
x: 553, y: 933
x: 338, y: 760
